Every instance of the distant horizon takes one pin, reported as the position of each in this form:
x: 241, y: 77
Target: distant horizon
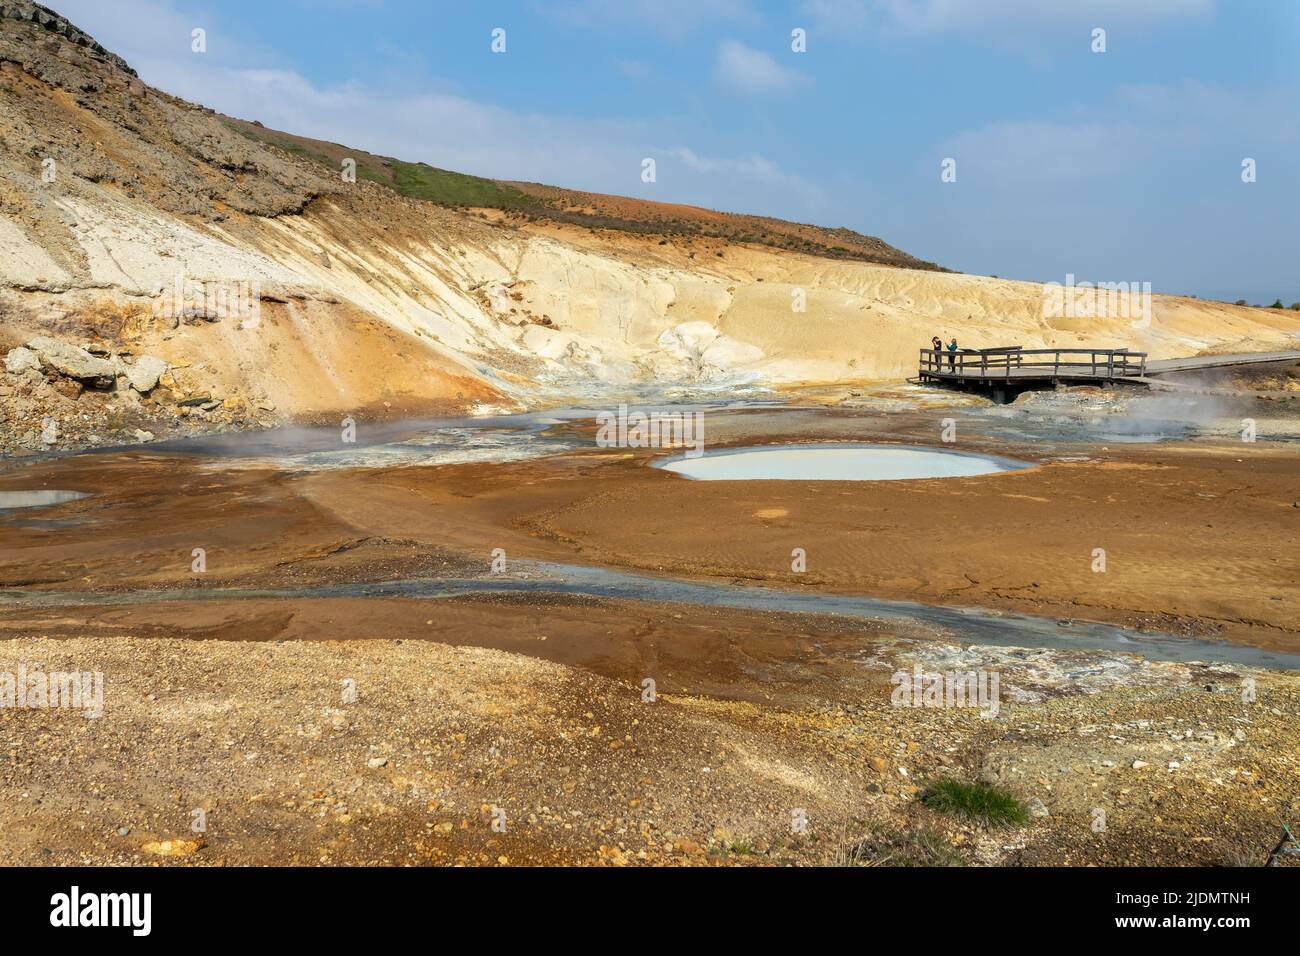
x: 1138, y: 149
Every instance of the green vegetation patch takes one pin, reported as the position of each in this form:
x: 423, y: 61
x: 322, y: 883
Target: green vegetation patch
x: 422, y: 181
x: 978, y: 801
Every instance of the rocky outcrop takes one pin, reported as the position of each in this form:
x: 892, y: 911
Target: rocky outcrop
x: 73, y: 362
x: 146, y: 145
x: 51, y: 22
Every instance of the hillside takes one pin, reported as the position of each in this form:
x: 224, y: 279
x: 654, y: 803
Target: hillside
x: 533, y: 201
x: 420, y: 289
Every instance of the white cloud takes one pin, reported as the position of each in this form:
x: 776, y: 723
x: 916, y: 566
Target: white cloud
x: 1022, y: 153
x: 935, y: 16
x: 1148, y: 126
x: 634, y: 70
x: 753, y: 167
x: 753, y: 72
x: 673, y: 19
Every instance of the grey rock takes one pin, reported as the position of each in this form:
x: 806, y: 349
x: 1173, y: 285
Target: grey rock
x: 21, y: 360
x: 144, y: 374
x: 73, y: 362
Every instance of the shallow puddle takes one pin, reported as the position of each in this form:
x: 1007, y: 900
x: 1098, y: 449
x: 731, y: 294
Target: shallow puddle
x: 37, y: 499
x: 837, y: 463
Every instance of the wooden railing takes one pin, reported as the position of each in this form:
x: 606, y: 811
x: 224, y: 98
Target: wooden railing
x: 1015, y: 362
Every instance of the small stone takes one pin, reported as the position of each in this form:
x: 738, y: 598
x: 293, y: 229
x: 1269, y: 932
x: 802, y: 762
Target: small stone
x: 69, y: 387
x: 21, y: 360
x: 376, y: 762
x: 1139, y: 764
x: 123, y: 831
x: 144, y: 374
x: 1037, y: 808
x: 173, y: 847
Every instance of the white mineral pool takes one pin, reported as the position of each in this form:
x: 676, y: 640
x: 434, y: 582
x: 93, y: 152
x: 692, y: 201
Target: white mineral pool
x: 37, y: 499
x: 836, y: 463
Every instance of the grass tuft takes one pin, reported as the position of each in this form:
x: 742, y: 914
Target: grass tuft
x: 883, y: 847
x: 978, y: 801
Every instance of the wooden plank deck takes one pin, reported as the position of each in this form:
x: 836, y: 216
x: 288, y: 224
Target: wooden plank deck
x: 1199, y: 363
x: 1027, y: 368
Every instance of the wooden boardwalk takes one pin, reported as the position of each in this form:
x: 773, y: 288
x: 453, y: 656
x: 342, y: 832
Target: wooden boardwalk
x: 1202, y: 363
x: 1025, y: 366
x: 1009, y: 370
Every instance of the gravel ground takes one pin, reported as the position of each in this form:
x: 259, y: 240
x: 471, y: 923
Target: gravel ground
x: 581, y: 770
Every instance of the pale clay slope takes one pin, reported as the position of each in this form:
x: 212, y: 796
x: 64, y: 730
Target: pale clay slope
x: 624, y: 310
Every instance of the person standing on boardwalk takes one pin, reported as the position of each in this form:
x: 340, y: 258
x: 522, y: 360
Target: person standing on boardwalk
x: 952, y: 354
x: 938, y: 352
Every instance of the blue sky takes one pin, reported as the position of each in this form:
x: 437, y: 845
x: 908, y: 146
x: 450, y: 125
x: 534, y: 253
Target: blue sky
x: 1122, y: 165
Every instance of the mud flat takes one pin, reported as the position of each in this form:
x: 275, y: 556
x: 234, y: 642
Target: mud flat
x: 524, y: 692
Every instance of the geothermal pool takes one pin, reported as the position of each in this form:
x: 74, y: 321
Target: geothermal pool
x: 37, y: 499
x: 839, y: 462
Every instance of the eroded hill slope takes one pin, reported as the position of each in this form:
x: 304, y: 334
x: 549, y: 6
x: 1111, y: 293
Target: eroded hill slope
x: 366, y: 298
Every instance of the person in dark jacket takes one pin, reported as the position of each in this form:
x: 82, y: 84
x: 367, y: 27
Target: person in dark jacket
x: 938, y: 352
